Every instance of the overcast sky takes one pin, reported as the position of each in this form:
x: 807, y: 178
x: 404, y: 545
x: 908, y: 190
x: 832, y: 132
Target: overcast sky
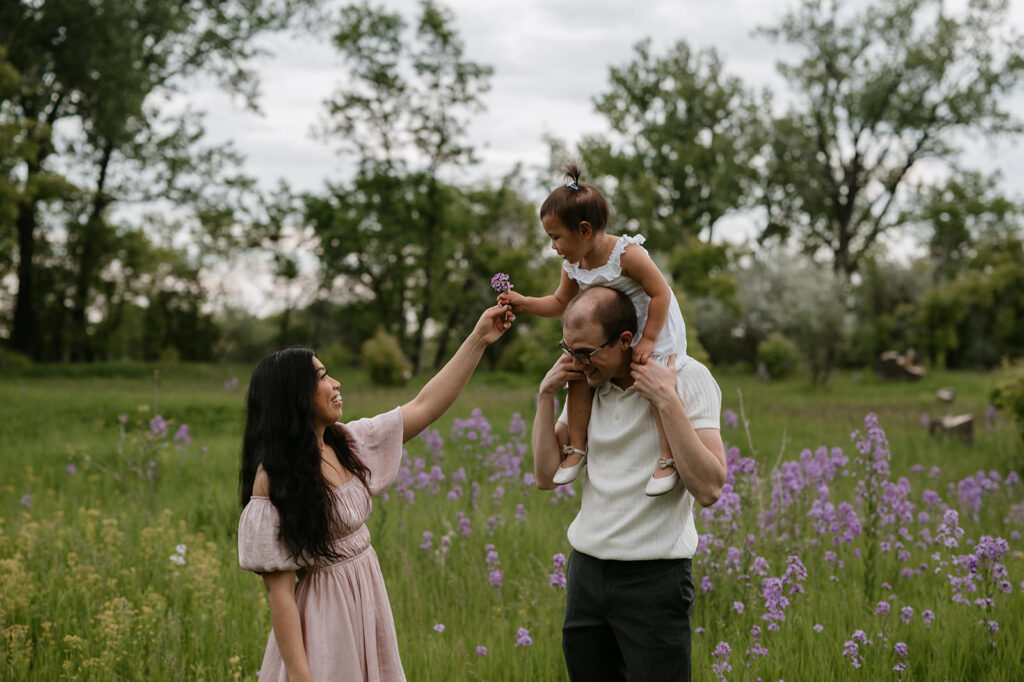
x: 550, y: 59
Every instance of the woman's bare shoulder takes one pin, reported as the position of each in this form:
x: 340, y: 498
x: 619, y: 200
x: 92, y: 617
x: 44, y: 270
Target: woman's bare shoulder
x: 261, y: 484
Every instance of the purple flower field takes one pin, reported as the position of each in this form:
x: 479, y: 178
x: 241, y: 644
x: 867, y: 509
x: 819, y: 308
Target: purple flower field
x: 880, y: 576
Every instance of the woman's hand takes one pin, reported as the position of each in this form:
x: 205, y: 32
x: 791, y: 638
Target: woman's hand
x: 494, y: 322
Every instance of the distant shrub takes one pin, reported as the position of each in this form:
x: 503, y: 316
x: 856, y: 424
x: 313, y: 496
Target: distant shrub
x: 1009, y: 393
x: 337, y: 358
x: 694, y: 348
x: 12, y: 358
x: 526, y: 355
x: 779, y: 355
x: 384, y: 360
x: 170, y: 356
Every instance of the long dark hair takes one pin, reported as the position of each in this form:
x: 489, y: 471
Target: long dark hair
x: 280, y: 434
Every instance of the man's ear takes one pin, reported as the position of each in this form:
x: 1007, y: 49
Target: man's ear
x: 626, y: 340
x: 585, y: 228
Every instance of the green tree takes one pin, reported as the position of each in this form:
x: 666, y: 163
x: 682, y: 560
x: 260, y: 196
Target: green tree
x: 402, y: 114
x: 877, y: 91
x: 965, y: 217
x: 681, y: 154
x: 977, y: 318
x: 104, y: 65
x: 885, y: 304
x: 684, y: 136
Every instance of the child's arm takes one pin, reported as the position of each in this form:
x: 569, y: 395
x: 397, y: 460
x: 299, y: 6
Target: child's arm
x: 638, y: 265
x: 545, y: 306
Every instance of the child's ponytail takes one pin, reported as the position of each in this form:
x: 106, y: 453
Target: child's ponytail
x: 576, y: 202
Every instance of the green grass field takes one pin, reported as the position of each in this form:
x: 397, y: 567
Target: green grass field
x: 88, y: 589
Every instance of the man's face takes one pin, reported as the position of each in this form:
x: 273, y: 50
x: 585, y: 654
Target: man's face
x: 607, y: 363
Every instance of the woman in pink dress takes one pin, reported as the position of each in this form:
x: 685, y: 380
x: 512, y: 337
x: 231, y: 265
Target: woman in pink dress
x: 306, y: 481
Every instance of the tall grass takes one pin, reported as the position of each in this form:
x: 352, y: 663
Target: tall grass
x: 89, y: 589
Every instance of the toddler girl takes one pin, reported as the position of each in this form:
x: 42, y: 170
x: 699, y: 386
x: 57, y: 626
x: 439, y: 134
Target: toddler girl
x: 575, y: 217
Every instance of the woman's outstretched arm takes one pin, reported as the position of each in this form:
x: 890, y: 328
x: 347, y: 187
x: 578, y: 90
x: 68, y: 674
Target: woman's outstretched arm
x: 441, y: 391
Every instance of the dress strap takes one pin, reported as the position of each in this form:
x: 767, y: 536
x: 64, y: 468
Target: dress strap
x: 607, y: 272
x: 620, y: 246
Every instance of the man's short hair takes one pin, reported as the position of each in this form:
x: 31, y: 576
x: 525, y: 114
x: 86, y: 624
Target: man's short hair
x: 613, y: 311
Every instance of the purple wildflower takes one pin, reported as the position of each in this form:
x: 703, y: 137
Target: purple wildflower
x: 428, y: 540
x: 158, y: 426
x: 557, y: 576
x: 756, y: 648
x: 900, y: 649
x: 927, y: 616
x: 495, y: 576
x: 439, y: 627
x: 183, y: 435
x: 523, y: 637
x: 26, y: 500
x: 852, y: 651
x: 730, y: 418
x: 738, y: 607
x: 721, y: 664
x: 759, y: 566
x: 71, y: 469
x: 501, y: 283
x: 907, y: 614
x: 481, y: 650
x: 775, y: 602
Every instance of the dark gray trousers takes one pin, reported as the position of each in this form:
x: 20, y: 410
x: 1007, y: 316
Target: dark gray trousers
x: 627, y: 620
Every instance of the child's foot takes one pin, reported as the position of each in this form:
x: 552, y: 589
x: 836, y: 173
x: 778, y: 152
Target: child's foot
x: 663, y: 479
x: 570, y: 467
x: 571, y: 460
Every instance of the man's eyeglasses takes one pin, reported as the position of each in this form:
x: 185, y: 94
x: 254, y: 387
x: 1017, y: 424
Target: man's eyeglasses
x: 582, y: 354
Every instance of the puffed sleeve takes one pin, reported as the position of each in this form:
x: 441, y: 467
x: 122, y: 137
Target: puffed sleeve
x: 259, y: 549
x: 379, y: 446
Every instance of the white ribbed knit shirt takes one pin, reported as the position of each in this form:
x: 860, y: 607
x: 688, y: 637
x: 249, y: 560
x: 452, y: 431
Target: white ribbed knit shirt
x: 616, y: 519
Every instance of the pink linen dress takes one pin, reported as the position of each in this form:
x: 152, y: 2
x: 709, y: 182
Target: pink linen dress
x: 347, y: 627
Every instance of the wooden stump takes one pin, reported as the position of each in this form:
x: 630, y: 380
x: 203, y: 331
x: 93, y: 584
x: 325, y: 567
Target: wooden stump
x: 891, y: 365
x: 961, y: 426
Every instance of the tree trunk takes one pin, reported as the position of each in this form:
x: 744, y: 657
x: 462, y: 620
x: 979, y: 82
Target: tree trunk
x: 428, y: 266
x: 453, y: 319
x: 24, y: 336
x: 88, y: 256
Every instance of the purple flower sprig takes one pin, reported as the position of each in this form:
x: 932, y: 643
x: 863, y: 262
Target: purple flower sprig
x: 501, y: 283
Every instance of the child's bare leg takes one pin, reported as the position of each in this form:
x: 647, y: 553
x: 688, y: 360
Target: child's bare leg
x: 666, y: 451
x: 580, y: 400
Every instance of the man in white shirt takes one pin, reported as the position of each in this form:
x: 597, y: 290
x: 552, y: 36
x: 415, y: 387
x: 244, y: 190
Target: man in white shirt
x: 629, y: 590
